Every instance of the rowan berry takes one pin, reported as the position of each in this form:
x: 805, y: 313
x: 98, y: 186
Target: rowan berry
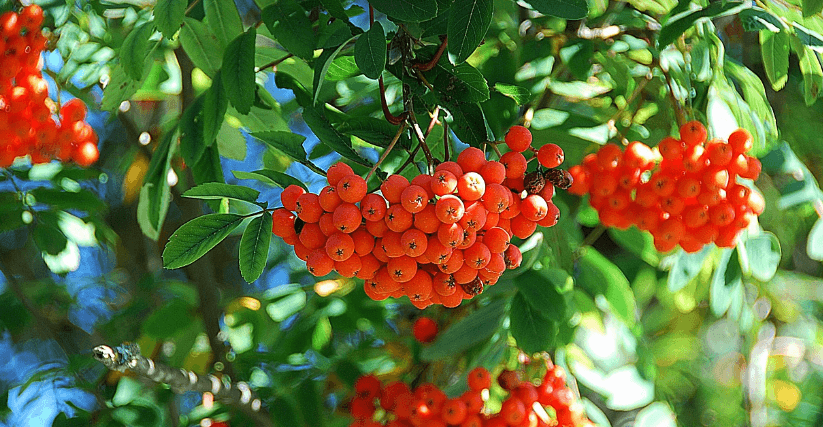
x: 289, y: 196
x: 369, y: 265
x: 515, y: 164
x: 513, y: 209
x: 312, y: 236
x: 581, y: 183
x: 753, y: 168
x: 711, y: 196
x: 450, y: 235
x: 373, y: 207
x: 384, y: 281
x: 533, y: 208
x: 392, y: 244
x: 352, y: 188
x: 308, y: 207
x: 722, y: 214
x: 393, y: 187
x: 454, y: 263
x: 377, y: 228
x: 609, y: 157
x: 492, y: 219
x: 339, y: 246
x: 319, y: 263
x: 398, y: 219
x: 693, y: 133
x: 756, y: 202
x: 662, y: 184
x: 424, y: 329
x: 444, y: 182
x: 474, y: 218
x: 454, y: 411
x: 477, y: 256
x: 673, y: 205
x: 471, y: 186
x: 715, y: 177
x: 628, y: 179
x: 426, y: 220
x: 471, y: 160
x: 414, y: 242
x: 464, y: 275
x: 671, y: 230
x: 496, y: 198
x: 493, y: 172
x: 552, y: 216
x: 337, y: 172
x: 414, y: 198
x: 719, y: 152
x: 450, y: 166
x: 402, y: 269
x: 370, y: 288
x: 419, y: 287
x: 523, y: 227
x: 671, y: 148
x: 326, y: 224
x: 638, y: 156
x: 695, y: 159
x: 328, y: 198
x: 695, y: 216
x: 518, y: 138
x: 282, y: 222
x: 474, y: 401
x: 469, y: 237
x: 740, y: 141
x: 449, y: 209
x: 347, y: 217
x: 516, y: 184
x: 350, y: 267
x: 550, y: 155
x: 436, y: 252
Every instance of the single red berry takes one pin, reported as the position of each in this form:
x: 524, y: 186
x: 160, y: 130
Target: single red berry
x: 518, y: 138
x: 425, y: 330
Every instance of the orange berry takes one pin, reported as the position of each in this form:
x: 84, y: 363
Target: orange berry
x: 373, y: 207
x: 722, y: 214
x: 450, y: 235
x: 347, y: 217
x: 326, y: 224
x: 392, y: 244
x: 393, y: 187
x: 719, y: 152
x: 352, y: 188
x: 638, y: 156
x: 414, y: 198
x: 452, y: 167
x: 398, y: 219
x: 289, y: 196
x: 662, y: 184
x: 436, y: 252
x: 753, y: 168
x: 444, y: 182
x: 604, y: 185
x: 453, y: 263
x: 693, y: 133
x: 424, y: 330
x: 31, y: 17
x: 85, y: 154
x: 337, y: 172
x: 475, y: 217
x: 426, y: 220
x: 449, y: 209
x: 419, y: 288
x: 496, y: 198
x: 696, y: 216
x: 350, y: 267
x: 319, y: 263
x: 695, y: 159
x: 522, y: 227
x: 671, y: 148
x: 377, y: 228
x: 493, y: 172
x: 609, y: 157
x: 518, y: 138
x: 311, y: 236
x: 465, y: 274
x: 308, y: 207
x: 581, y: 183
x: 741, y: 141
x: 328, y: 198
x: 339, y: 246
x: 515, y: 164
x: 550, y: 155
x: 363, y: 241
x: 533, y: 208
x: 443, y: 284
x: 552, y: 216
x: 513, y: 209
x: 497, y: 240
x: 469, y: 237
x: 73, y: 111
x: 402, y: 269
x: 369, y: 265
x: 477, y: 256
x: 384, y: 281
x: 471, y: 186
x: 471, y: 159
x: 414, y: 242
x: 282, y: 222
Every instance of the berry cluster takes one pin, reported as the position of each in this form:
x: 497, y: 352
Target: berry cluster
x: 26, y: 113
x: 438, y: 239
x: 549, y: 404
x: 691, y: 197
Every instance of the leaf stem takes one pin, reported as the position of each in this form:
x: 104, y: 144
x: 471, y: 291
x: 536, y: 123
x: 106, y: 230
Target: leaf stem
x: 426, y: 66
x: 395, y: 120
x: 191, y: 6
x: 387, y: 151
x: 275, y: 62
x: 422, y: 138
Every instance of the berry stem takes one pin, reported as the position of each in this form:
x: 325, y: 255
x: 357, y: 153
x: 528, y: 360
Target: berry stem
x: 422, y: 138
x: 592, y: 237
x: 679, y: 114
x: 388, y: 150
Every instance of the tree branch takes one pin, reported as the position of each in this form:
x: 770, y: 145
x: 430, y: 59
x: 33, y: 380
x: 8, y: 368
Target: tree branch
x: 127, y: 357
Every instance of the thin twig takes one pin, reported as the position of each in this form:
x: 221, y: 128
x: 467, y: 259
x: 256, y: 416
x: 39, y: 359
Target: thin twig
x: 446, y: 141
x: 191, y: 6
x: 422, y: 138
x: 426, y: 66
x: 275, y: 62
x: 127, y: 357
x: 388, y: 150
x: 391, y: 118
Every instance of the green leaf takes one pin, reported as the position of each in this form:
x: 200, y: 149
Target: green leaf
x: 756, y: 19
x: 468, y: 123
x: 224, y: 19
x: 811, y: 69
x: 658, y: 414
x: 726, y: 281
x: 407, y: 10
x: 755, y: 95
x: 196, y: 237
x: 254, y: 247
x: 135, y: 49
x: 287, y: 142
x: 289, y: 24
x: 473, y: 329
x: 238, y: 62
x: 342, y: 68
x: 808, y: 37
x: 83, y: 200
x: 166, y: 321
x: 219, y: 190
x: 812, y: 7
x: 774, y: 48
x: 566, y: 9
x: 330, y: 136
x: 47, y: 235
x: 153, y: 203
x: 461, y: 83
x: 533, y: 332
x: 370, y: 51
x: 814, y: 244
x: 192, y: 143
x: 519, y: 94
x: 215, y: 104
x: 468, y: 22
x: 637, y: 242
x: 377, y: 132
x: 686, y: 267
x: 539, y: 287
x: 120, y: 88
x: 270, y: 177
x: 202, y: 46
x: 675, y: 28
x: 764, y: 255
x: 325, y: 60
x: 168, y: 15
x: 598, y: 275
x: 286, y: 307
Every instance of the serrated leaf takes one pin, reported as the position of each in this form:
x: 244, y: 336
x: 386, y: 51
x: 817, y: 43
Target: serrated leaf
x: 811, y: 69
x: 533, y: 332
x: 289, y: 24
x: 808, y: 37
x: 370, y: 51
x: 566, y: 9
x: 120, y: 88
x: 238, y: 62
x: 812, y: 7
x: 675, y: 28
x: 219, y: 190
x: 814, y: 244
x: 469, y: 123
x: 407, y: 10
x: 215, y: 105
x: 756, y: 19
x: 224, y: 19
x: 196, y: 237
x: 686, y: 267
x: 134, y: 50
x: 287, y: 142
x: 461, y: 83
x: 254, y: 247
x: 468, y: 22
x: 168, y: 15
x: 330, y: 136
x: 519, y: 94
x: 201, y: 45
x: 475, y: 328
x: 764, y: 255
x: 774, y: 48
x: 540, y: 290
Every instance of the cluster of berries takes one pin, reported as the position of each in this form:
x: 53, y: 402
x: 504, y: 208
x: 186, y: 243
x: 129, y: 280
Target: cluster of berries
x: 549, y: 404
x: 438, y: 239
x: 692, y: 197
x: 26, y: 112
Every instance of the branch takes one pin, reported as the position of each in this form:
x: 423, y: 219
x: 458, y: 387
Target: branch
x: 422, y: 138
x: 387, y: 151
x: 127, y: 357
